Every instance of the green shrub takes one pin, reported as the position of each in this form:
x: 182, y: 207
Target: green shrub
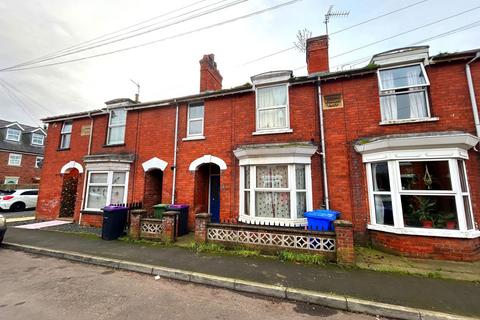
x: 301, y: 257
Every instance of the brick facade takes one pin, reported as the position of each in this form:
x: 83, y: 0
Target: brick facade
x: 427, y: 247
x: 360, y: 118
x: 26, y: 172
x: 229, y: 121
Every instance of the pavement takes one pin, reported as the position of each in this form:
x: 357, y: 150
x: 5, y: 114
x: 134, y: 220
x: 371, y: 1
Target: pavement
x: 350, y: 289
x: 45, y: 288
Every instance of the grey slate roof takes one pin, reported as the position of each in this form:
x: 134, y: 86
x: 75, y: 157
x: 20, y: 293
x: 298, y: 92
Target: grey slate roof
x: 323, y: 76
x: 24, y: 145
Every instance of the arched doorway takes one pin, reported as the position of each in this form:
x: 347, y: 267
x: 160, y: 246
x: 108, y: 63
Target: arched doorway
x: 207, y: 190
x: 152, y: 193
x: 69, y: 193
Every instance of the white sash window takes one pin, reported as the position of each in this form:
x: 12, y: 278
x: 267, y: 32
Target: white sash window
x: 403, y: 93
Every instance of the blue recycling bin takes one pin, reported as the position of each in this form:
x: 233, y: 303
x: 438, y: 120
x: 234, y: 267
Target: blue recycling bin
x: 321, y: 220
x: 114, y: 221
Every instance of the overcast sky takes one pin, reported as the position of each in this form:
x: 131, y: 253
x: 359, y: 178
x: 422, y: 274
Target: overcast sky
x: 30, y: 29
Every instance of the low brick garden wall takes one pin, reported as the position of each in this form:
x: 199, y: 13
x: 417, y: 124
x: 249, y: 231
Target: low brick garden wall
x: 163, y: 229
x: 336, y: 245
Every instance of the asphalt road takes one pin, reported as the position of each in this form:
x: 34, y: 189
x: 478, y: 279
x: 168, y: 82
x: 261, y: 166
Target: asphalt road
x: 37, y: 287
x: 19, y: 214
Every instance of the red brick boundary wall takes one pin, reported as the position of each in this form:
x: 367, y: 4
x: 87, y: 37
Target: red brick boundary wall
x: 333, y: 245
x: 135, y: 217
x: 345, y: 248
x: 164, y: 229
x: 201, y: 220
x: 427, y: 247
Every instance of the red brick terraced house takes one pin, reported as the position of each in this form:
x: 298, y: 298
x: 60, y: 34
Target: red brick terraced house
x: 21, y: 153
x: 392, y: 146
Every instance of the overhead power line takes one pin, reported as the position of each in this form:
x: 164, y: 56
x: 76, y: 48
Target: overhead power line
x: 11, y: 86
x: 251, y: 14
x: 120, y: 30
x: 435, y: 37
x: 126, y: 37
x: 405, y: 32
x: 377, y: 17
x: 17, y: 101
x: 336, y: 32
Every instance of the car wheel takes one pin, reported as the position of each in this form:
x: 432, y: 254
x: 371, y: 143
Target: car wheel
x: 18, y: 206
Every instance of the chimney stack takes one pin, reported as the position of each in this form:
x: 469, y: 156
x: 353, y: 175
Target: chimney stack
x: 210, y: 77
x: 317, y: 54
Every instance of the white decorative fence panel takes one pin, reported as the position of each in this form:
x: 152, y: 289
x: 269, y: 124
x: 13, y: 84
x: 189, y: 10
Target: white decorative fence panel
x: 303, y: 241
x: 151, y: 228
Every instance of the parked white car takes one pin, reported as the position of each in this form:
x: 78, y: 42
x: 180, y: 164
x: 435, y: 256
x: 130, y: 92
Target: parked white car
x: 19, y: 200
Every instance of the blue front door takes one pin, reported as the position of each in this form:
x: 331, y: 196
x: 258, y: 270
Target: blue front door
x: 215, y: 197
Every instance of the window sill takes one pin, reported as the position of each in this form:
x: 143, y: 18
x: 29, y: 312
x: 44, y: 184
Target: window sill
x: 301, y: 222
x: 15, y: 165
x: 63, y: 149
x: 445, y: 233
x: 258, y: 133
x: 114, y: 145
x: 403, y: 121
x: 193, y: 138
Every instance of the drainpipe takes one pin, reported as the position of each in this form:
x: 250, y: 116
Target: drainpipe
x: 471, y: 90
x: 175, y: 152
x: 89, y: 150
x: 323, y: 154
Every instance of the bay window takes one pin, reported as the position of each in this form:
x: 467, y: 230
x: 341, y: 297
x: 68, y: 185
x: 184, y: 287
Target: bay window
x: 275, y: 193
x: 116, y: 126
x: 420, y: 194
x: 105, y: 188
x: 275, y: 183
x: 403, y: 93
x: 272, y: 108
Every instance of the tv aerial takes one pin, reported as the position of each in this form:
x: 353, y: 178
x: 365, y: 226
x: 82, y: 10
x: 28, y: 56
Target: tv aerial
x: 333, y: 14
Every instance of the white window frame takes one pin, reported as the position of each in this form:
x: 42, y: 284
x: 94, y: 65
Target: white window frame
x: 38, y: 135
x: 420, y: 88
x: 36, y: 161
x: 64, y: 133
x: 11, y: 178
x: 294, y: 220
x: 110, y: 126
x: 8, y: 136
x: 195, y: 135
x: 396, y: 192
x: 287, y: 112
x: 12, y: 162
x: 109, y: 184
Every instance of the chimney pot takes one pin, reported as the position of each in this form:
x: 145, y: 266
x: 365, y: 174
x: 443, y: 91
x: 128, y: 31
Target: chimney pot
x: 210, y: 77
x: 317, y: 54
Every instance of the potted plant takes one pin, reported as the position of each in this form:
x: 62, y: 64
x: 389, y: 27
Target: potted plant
x: 423, y: 210
x: 448, y: 220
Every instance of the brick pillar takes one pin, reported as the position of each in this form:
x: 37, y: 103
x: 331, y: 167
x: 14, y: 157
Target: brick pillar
x: 169, y: 226
x: 135, y: 217
x: 201, y: 220
x: 344, y: 242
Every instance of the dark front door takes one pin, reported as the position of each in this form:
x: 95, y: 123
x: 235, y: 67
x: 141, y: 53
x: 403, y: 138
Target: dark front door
x: 215, y: 197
